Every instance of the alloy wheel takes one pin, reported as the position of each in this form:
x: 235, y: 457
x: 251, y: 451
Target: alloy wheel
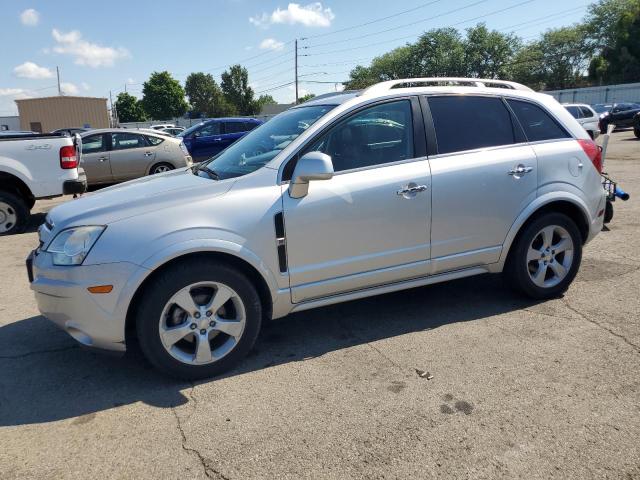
x: 550, y: 256
x: 161, y: 169
x: 202, y: 323
x: 8, y: 217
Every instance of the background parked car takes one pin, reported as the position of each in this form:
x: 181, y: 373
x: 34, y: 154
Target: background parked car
x: 586, y: 116
x: 160, y: 126
x: 620, y: 114
x: 116, y: 155
x: 211, y: 137
x: 172, y: 130
x: 71, y: 130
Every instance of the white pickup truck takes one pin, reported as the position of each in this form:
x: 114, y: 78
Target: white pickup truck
x: 35, y: 166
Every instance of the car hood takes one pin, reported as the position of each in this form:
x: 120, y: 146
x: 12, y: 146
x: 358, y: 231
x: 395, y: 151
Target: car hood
x: 137, y: 197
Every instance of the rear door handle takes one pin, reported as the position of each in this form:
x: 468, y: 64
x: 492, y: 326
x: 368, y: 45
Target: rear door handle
x: 148, y: 154
x: 103, y: 159
x: 519, y: 170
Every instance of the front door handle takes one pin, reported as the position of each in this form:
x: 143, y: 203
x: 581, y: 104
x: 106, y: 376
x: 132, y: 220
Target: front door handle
x: 410, y: 190
x: 519, y: 171
x: 103, y: 159
x: 148, y: 154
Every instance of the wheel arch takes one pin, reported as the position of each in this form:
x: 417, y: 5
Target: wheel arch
x: 570, y: 207
x: 14, y: 184
x: 234, y: 261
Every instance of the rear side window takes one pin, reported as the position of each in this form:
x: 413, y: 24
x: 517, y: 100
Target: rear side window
x: 538, y: 125
x: 576, y: 112
x: 586, y: 113
x: 124, y: 141
x: 248, y: 126
x: 154, y: 140
x: 234, y: 127
x: 467, y: 123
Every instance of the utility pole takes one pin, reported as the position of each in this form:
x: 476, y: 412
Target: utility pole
x: 58, y: 74
x: 125, y: 87
x: 296, y: 69
x: 114, y: 114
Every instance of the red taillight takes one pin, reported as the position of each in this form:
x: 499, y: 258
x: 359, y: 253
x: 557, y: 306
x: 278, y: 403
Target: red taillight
x: 68, y: 157
x: 593, y: 151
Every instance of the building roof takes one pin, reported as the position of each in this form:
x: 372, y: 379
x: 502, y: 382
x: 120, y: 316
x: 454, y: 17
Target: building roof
x: 59, y: 97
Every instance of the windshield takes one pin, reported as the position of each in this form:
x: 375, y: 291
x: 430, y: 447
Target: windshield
x: 256, y: 149
x: 189, y: 130
x: 600, y: 108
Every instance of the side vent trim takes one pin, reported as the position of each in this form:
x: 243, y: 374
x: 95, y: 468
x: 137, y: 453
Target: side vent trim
x: 281, y: 242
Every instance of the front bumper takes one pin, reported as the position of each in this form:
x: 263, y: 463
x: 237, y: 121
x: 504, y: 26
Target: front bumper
x: 94, y: 320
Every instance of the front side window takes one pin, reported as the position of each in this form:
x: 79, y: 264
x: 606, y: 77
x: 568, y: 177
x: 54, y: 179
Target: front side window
x: 465, y: 122
x: 208, y: 130
x: 586, y: 112
x: 374, y: 136
x: 93, y: 144
x: 538, y: 125
x: 124, y: 141
x: 261, y: 145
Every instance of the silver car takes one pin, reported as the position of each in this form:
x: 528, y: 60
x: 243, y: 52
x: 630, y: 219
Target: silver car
x: 116, y: 155
x: 405, y: 184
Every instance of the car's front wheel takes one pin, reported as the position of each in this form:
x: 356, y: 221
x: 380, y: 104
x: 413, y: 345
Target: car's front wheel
x: 546, y: 256
x: 636, y: 132
x: 198, y: 319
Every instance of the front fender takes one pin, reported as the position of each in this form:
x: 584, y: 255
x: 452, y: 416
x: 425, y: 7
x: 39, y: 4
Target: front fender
x: 532, y: 208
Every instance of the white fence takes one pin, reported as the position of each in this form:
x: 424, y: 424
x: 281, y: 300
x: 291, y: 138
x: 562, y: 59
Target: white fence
x: 181, y: 122
x: 627, y: 92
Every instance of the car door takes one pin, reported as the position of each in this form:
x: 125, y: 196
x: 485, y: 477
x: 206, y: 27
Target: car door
x: 232, y: 131
x: 483, y: 175
x: 131, y: 156
x: 369, y: 224
x: 207, y: 141
x: 95, y: 158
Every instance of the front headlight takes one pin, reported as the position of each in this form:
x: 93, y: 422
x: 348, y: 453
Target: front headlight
x: 71, y: 246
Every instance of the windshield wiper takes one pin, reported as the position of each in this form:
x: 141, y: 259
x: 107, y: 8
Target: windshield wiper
x: 210, y: 173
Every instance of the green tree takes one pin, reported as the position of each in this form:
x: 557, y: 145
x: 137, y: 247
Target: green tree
x: 236, y: 89
x: 129, y: 108
x: 206, y: 96
x: 163, y: 97
x: 487, y: 53
x: 306, y: 98
x: 439, y: 53
x: 613, y: 31
x: 266, y: 100
x: 527, y: 66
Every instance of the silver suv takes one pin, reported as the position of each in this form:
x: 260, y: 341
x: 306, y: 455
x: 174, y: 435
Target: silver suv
x: 405, y: 184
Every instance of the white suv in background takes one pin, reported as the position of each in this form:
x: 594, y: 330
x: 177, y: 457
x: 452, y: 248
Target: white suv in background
x: 586, y: 116
x: 405, y: 184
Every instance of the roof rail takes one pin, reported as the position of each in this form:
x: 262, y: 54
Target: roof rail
x: 459, y: 81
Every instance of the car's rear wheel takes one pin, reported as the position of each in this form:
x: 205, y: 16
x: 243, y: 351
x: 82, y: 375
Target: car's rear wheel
x: 198, y: 319
x: 636, y: 132
x: 161, y: 168
x: 14, y: 213
x: 546, y: 256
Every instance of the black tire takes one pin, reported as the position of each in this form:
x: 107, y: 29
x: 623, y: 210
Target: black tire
x: 603, y: 127
x: 636, y: 132
x: 160, y: 291
x: 516, y: 270
x: 17, y: 207
x: 154, y: 170
x: 608, y: 212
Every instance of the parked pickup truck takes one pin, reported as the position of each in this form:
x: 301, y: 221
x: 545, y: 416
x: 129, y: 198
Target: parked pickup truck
x: 35, y: 166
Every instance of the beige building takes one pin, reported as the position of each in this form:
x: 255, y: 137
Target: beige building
x: 45, y: 114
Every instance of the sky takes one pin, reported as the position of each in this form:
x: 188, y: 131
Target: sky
x: 107, y: 46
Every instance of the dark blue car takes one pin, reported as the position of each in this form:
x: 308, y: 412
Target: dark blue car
x: 211, y: 137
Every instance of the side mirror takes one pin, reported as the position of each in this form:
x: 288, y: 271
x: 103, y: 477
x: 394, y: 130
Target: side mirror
x: 311, y: 166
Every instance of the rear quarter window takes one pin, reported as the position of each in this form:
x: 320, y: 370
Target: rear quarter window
x: 537, y: 124
x: 154, y: 140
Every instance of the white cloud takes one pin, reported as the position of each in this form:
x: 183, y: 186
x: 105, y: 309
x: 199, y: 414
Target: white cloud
x: 311, y: 15
x: 30, y: 17
x: 84, y: 52
x: 69, y: 88
x: 130, y: 80
x: 271, y: 44
x: 11, y: 92
x: 31, y: 70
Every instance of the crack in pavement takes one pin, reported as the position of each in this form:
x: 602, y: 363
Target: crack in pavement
x: 598, y: 324
x: 204, y: 462
x: 37, y: 352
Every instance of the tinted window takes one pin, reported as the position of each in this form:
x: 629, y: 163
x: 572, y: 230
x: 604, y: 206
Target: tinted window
x: 373, y: 136
x: 234, y: 127
x: 123, y: 141
x: 250, y: 126
x: 586, y: 113
x: 93, y: 144
x: 466, y: 123
x: 155, y: 140
x: 209, y: 130
x: 575, y: 111
x: 537, y: 124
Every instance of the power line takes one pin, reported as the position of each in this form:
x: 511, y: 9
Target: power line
x: 372, y: 21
